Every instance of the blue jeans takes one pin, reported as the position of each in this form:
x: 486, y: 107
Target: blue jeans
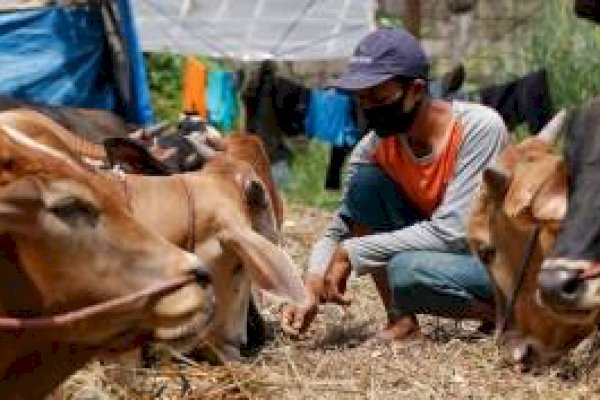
x: 421, y: 282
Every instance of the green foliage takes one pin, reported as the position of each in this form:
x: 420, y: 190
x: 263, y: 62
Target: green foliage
x: 569, y: 47
x: 165, y: 76
x: 308, y: 169
x: 389, y: 20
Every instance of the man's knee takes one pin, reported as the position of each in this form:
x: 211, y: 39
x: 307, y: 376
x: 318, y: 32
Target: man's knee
x: 366, y: 184
x: 373, y: 200
x: 405, y: 273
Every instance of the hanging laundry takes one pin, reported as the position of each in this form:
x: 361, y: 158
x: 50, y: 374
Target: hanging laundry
x: 194, y: 87
x: 291, y: 105
x: 261, y: 115
x: 526, y: 99
x: 338, y: 154
x: 221, y: 100
x: 330, y: 118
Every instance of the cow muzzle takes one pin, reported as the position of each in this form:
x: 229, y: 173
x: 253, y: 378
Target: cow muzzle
x: 561, y: 288
x: 184, y: 315
x: 564, y: 288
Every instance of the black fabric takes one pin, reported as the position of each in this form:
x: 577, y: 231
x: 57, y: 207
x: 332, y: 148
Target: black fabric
x: 589, y: 9
x: 291, y: 105
x: 275, y: 108
x: 525, y: 100
x: 337, y: 155
x: 259, y: 100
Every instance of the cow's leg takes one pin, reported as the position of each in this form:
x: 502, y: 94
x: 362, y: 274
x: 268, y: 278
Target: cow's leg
x: 256, y: 331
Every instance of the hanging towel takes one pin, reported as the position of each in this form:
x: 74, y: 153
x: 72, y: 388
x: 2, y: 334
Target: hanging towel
x: 194, y: 87
x: 221, y: 100
x: 330, y: 118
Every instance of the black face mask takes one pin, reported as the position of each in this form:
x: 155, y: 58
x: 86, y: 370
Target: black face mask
x: 389, y: 119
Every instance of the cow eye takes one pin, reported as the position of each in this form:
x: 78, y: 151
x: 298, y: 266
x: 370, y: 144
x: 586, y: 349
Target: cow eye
x: 486, y: 253
x: 72, y: 211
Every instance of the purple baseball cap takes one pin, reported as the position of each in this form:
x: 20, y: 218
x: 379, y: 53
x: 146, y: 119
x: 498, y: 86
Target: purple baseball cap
x: 381, y: 55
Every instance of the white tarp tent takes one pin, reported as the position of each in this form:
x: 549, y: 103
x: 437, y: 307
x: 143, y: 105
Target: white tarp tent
x: 255, y: 29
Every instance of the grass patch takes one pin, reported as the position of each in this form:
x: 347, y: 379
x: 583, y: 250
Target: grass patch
x: 308, y: 167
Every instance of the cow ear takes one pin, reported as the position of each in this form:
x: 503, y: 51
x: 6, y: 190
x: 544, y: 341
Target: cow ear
x: 497, y: 182
x: 550, y: 204
x: 528, y: 179
x: 268, y: 266
x: 133, y: 157
x: 17, y: 200
x: 261, y: 209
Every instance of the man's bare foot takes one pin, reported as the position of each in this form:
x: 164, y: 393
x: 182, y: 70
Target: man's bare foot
x: 401, y: 329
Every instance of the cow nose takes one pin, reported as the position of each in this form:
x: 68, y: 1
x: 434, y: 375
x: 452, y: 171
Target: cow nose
x: 203, y: 277
x: 560, y: 287
x: 525, y: 356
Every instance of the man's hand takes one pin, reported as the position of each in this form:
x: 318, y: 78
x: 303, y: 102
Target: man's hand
x: 295, y: 320
x: 336, y: 278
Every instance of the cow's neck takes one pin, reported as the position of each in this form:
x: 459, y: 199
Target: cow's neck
x: 160, y: 204
x: 22, y: 377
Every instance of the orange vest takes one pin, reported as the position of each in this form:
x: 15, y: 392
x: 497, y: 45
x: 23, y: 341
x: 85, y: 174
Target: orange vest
x: 194, y: 87
x: 423, y: 181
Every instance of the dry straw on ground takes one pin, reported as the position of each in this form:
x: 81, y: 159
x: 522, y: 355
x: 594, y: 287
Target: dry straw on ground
x: 450, y: 362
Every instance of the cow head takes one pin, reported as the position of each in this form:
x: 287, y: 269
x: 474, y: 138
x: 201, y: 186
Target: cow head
x: 237, y: 237
x: 67, y: 243
x: 569, y: 281
x: 525, y: 189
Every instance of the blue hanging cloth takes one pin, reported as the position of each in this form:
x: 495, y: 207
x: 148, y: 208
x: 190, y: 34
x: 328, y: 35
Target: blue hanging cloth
x: 221, y: 100
x: 329, y: 117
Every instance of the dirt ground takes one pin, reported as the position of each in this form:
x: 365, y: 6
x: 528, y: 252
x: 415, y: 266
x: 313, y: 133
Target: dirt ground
x: 451, y: 361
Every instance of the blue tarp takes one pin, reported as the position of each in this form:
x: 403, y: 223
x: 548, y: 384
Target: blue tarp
x: 59, y: 56
x: 141, y: 108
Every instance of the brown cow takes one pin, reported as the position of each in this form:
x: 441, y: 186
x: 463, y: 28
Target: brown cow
x: 232, y: 218
x: 525, y: 188
x: 78, y: 274
x: 215, y: 212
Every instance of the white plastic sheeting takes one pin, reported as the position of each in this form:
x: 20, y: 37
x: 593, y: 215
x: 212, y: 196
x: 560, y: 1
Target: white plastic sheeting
x: 255, y: 29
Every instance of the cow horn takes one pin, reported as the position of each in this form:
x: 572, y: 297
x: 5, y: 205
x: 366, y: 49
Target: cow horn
x: 549, y: 133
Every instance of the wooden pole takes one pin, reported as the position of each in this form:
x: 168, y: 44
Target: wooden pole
x: 412, y: 17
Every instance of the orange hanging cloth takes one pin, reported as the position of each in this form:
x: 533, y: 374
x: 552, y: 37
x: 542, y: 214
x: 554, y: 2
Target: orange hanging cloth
x: 194, y: 87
